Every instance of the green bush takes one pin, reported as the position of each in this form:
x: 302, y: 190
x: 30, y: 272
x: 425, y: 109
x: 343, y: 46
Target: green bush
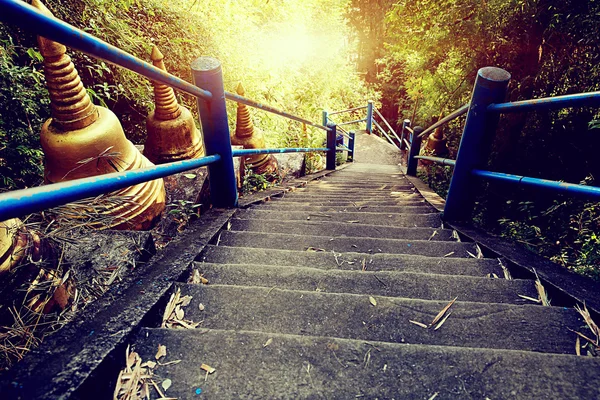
x: 24, y: 101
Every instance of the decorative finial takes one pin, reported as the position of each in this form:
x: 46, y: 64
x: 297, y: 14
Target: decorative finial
x: 164, y: 96
x: 172, y: 133
x: 69, y: 101
x: 240, y: 89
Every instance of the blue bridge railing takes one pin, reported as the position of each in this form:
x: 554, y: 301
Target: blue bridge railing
x: 483, y: 112
x: 207, y: 88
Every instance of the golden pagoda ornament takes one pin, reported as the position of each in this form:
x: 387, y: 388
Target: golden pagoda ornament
x: 436, y: 144
x: 249, y: 137
x: 172, y: 133
x: 82, y: 140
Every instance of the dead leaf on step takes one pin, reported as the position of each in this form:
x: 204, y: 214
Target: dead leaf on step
x: 529, y: 298
x: 197, y: 277
x: 449, y: 254
x: 442, y: 312
x: 185, y: 301
x: 578, y: 346
x: 268, y: 342
x: 439, y: 325
x: 353, y: 222
x: 372, y: 300
x: 422, y: 325
x: 166, y: 384
x: 174, y: 314
x: 201, y: 307
x: 314, y: 249
x: 162, y: 351
x: 207, y: 368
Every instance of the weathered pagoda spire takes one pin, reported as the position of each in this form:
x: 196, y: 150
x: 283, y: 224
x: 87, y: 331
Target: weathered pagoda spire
x: 249, y: 137
x: 83, y: 140
x: 172, y: 133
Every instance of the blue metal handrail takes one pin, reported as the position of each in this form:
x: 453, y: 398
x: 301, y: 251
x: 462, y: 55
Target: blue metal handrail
x: 17, y: 203
x: 438, y: 160
x: 570, y: 100
x: 453, y: 115
x: 348, y: 110
x: 249, y: 152
x: 356, y: 121
x: 561, y: 187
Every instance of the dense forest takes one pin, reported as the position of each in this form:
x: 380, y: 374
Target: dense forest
x: 417, y: 58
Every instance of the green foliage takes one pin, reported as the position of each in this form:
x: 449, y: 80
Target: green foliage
x: 254, y: 182
x: 24, y: 101
x: 433, y: 50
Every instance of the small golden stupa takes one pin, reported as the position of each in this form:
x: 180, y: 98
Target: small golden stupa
x: 436, y: 144
x: 172, y: 133
x: 83, y: 140
x: 249, y: 137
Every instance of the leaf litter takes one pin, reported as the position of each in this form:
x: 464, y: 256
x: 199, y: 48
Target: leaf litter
x: 136, y: 379
x: 174, y: 314
x: 593, y: 345
x: 439, y: 319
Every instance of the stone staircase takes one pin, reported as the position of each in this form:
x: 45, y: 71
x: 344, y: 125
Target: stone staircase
x: 312, y: 296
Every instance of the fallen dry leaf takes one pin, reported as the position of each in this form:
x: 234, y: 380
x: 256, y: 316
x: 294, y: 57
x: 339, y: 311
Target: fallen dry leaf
x: 422, y: 325
x: 372, y: 300
x: 442, y: 312
x: 166, y: 384
x: 439, y: 325
x: 201, y: 307
x: 207, y: 368
x: 162, y: 351
x: 268, y: 342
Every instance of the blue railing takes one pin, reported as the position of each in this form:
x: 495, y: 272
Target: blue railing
x: 369, y: 120
x: 207, y: 88
x: 483, y: 114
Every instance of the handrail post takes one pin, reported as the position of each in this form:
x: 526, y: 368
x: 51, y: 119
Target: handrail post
x: 331, y: 134
x: 415, y: 149
x: 370, y: 117
x: 207, y: 73
x: 351, y: 147
x: 480, y: 127
x: 405, y: 124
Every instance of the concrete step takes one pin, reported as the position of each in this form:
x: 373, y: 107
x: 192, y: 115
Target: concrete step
x: 308, y: 367
x: 334, y: 187
x: 364, y: 203
x: 346, y: 197
x: 397, y: 220
x: 384, y: 283
x: 444, y: 249
x: 423, y: 209
x: 351, y: 261
x: 351, y: 316
x: 337, y: 229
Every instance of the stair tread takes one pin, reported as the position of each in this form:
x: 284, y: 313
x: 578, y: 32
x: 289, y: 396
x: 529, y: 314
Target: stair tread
x: 335, y: 229
x: 280, y: 206
x: 320, y: 367
x: 374, y: 262
x: 382, y: 283
x: 348, y: 203
x: 482, y: 325
x: 384, y: 219
x: 431, y: 248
